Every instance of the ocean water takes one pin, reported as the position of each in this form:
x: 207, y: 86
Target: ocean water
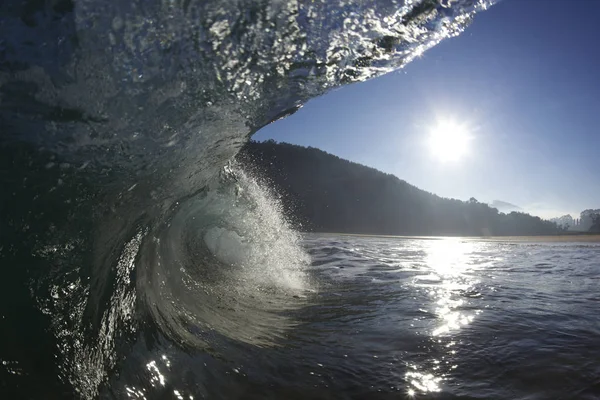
x: 139, y: 261
x: 390, y: 318
x: 354, y: 317
x: 454, y: 318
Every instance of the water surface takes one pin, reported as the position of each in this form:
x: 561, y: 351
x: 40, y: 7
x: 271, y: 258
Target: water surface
x: 399, y: 317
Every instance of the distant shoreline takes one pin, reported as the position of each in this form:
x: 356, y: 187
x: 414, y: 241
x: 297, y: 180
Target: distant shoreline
x: 568, y: 238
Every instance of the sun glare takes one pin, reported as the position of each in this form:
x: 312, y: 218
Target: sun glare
x: 449, y: 141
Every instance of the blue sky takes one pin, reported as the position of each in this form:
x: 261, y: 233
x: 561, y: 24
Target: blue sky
x: 525, y: 78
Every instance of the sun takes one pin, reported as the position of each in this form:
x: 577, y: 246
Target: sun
x: 449, y: 141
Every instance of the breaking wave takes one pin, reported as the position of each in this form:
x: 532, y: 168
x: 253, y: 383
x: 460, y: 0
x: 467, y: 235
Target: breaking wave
x: 123, y: 219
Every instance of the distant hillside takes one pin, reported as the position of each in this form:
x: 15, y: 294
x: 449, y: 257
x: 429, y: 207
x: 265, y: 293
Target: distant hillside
x: 328, y: 194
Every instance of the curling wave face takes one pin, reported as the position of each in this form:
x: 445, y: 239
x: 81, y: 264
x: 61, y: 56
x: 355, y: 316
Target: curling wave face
x: 226, y: 264
x: 117, y: 121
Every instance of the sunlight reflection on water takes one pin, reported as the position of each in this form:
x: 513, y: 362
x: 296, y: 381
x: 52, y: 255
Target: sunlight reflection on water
x: 447, y: 263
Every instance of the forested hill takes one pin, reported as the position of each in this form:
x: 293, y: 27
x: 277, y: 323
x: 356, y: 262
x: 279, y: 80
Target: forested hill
x: 328, y: 194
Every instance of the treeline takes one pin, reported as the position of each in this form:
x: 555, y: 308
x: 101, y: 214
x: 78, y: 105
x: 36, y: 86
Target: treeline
x: 325, y: 193
x: 589, y: 220
x: 595, y: 222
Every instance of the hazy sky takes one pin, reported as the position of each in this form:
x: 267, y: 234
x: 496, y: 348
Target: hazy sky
x: 524, y: 77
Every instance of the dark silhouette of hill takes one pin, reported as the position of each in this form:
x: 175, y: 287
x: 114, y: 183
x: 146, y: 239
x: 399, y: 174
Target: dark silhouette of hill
x: 325, y: 193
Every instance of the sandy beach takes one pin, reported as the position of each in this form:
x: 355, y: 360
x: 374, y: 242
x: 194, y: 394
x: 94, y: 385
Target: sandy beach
x: 572, y: 238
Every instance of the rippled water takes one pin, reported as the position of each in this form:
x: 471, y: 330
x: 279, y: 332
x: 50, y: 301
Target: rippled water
x: 454, y: 318
x: 390, y: 318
